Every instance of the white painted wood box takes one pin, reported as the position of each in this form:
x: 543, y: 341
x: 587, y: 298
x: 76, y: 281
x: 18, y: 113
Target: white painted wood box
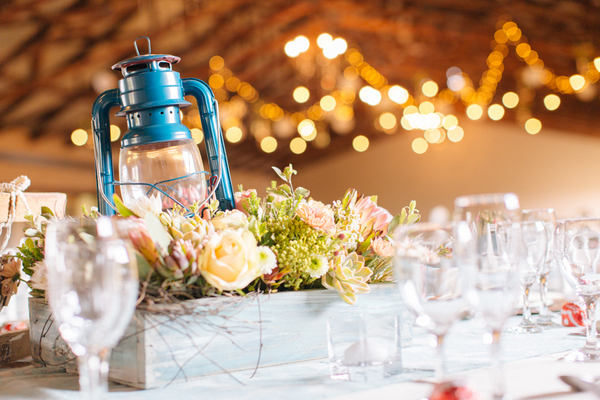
x: 220, y: 335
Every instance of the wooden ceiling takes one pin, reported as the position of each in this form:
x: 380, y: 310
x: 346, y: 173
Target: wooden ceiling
x: 56, y: 55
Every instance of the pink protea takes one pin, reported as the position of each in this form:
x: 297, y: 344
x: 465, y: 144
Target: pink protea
x: 372, y: 217
x: 317, y: 215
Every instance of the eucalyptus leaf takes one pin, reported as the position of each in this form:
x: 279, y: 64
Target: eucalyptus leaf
x: 279, y: 173
x: 47, y: 210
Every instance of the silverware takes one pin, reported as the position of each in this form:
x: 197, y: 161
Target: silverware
x: 581, y: 385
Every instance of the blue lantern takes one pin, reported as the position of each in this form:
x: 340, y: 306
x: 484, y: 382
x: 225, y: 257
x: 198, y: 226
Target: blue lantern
x: 158, y: 158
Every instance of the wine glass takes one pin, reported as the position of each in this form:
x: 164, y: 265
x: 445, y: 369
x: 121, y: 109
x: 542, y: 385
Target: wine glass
x: 548, y: 217
x: 577, y: 251
x: 92, y: 289
x: 529, y: 242
x: 430, y: 281
x: 492, y: 270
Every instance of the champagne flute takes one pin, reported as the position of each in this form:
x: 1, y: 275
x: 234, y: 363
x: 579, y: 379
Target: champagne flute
x: 530, y: 245
x: 92, y: 289
x: 430, y: 281
x: 548, y: 217
x: 492, y: 279
x: 577, y: 251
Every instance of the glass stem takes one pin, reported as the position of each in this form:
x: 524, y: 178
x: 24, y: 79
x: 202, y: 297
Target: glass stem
x: 591, y: 340
x: 440, y: 366
x: 93, y: 374
x: 497, y: 371
x: 526, y: 309
x: 544, y: 313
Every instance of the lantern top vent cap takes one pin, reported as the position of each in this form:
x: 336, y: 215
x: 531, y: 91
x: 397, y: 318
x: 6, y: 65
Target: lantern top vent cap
x: 146, y: 58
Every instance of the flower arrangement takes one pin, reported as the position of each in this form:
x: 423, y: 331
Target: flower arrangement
x: 283, y: 241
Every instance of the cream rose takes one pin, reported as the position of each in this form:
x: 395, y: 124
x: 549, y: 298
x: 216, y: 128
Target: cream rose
x: 230, y: 219
x: 229, y: 260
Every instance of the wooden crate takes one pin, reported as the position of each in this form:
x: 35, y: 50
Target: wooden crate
x: 224, y: 334
x: 14, y: 346
x: 57, y: 202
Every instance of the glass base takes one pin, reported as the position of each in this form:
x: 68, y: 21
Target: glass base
x: 526, y: 329
x: 583, y: 355
x: 552, y: 319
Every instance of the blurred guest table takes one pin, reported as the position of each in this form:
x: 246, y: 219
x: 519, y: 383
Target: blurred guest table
x: 532, y: 366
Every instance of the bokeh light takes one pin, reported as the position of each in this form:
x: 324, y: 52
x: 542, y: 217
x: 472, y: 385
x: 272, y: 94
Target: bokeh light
x: 360, y: 143
x: 301, y: 94
x: 552, y: 102
x: 79, y: 137
x: 268, y: 144
x: 533, y: 126
x: 419, y: 145
x: 298, y: 145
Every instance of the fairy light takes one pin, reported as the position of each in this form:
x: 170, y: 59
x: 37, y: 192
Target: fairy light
x: 301, y: 94
x: 360, y: 143
x: 327, y: 103
x: 577, y: 82
x: 369, y: 95
x: 324, y: 40
x: 233, y: 134
x: 474, y: 111
x: 552, y: 102
x: 398, y: 94
x: 79, y: 137
x: 387, y: 120
x: 268, y: 144
x: 510, y: 99
x: 456, y: 134
x: 115, y: 133
x: 429, y: 88
x: 419, y: 145
x: 533, y: 126
x: 449, y: 122
x: 197, y: 135
x: 496, y: 112
x: 298, y: 145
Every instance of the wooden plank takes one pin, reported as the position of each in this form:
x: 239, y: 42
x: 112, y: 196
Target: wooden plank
x: 57, y: 202
x: 14, y: 346
x: 221, y: 335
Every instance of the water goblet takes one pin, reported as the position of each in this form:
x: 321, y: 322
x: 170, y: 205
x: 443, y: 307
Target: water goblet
x: 92, y: 290
x: 577, y: 251
x: 492, y: 270
x: 548, y: 217
x: 429, y: 280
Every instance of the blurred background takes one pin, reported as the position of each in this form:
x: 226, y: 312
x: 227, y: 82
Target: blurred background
x: 422, y: 99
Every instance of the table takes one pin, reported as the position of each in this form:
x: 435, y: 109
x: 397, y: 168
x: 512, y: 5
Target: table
x: 531, y: 367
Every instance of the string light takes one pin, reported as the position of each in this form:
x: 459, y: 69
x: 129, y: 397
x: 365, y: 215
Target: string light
x: 417, y: 115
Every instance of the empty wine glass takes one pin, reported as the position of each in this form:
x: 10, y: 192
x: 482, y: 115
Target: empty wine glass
x: 92, y: 289
x: 492, y: 279
x: 548, y: 217
x: 529, y: 244
x: 430, y: 281
x: 577, y: 251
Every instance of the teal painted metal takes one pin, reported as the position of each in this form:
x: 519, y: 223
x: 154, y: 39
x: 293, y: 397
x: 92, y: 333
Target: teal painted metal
x: 150, y: 96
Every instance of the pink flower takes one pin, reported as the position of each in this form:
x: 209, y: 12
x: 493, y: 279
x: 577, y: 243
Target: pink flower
x: 382, y: 247
x: 317, y: 215
x: 372, y: 217
x: 241, y: 199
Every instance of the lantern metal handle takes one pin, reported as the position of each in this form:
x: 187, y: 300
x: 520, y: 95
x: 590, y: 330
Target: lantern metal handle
x: 136, y: 46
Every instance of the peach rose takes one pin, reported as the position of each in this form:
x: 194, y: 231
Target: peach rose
x: 229, y: 260
x: 382, y: 247
x: 317, y: 215
x: 241, y: 199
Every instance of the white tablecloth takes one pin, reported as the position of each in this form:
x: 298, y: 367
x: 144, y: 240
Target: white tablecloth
x: 532, y: 369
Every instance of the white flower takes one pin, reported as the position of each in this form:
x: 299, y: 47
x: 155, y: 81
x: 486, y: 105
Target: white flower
x: 230, y: 219
x: 143, y: 205
x: 39, y: 278
x: 267, y: 261
x: 318, y: 267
